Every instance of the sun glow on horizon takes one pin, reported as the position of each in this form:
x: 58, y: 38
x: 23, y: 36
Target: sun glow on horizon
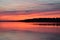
x: 53, y: 14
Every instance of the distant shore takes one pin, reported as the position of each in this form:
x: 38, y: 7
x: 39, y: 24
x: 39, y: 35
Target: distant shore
x: 34, y: 20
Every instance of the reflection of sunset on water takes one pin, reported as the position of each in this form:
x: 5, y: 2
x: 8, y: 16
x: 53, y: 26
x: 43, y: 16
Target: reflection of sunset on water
x: 17, y: 25
x: 28, y: 26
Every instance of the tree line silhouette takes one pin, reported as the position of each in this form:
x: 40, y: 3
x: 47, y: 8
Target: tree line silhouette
x: 34, y: 20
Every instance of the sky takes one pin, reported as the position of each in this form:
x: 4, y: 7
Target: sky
x: 13, y: 5
x: 27, y: 9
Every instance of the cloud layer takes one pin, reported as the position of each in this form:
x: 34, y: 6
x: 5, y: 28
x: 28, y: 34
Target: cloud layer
x: 39, y: 8
x: 17, y: 5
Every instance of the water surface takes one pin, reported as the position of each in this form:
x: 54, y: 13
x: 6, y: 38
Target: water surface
x: 29, y: 31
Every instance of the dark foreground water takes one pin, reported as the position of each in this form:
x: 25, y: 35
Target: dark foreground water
x: 29, y: 31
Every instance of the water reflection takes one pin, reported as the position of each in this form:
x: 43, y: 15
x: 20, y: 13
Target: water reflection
x: 31, y: 26
x: 28, y: 36
x: 29, y: 31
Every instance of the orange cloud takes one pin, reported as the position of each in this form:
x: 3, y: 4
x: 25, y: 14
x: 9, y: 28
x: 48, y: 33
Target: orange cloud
x: 53, y: 14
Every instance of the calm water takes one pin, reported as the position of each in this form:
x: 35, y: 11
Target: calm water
x: 29, y: 31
